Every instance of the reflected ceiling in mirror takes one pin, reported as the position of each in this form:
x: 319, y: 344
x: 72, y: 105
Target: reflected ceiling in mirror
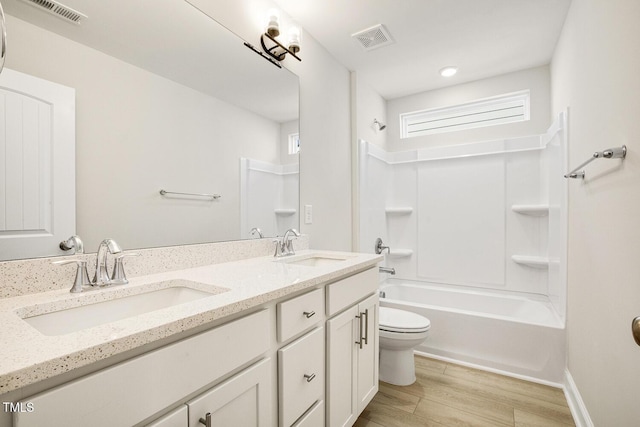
x: 166, y: 98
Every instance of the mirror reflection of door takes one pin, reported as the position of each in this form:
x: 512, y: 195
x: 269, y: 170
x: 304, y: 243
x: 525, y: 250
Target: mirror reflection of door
x: 37, y: 168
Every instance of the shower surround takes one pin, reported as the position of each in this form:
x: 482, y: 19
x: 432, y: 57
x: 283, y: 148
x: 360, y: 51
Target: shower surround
x: 487, y: 217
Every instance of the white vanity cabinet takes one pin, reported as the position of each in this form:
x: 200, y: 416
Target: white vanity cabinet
x: 352, y: 351
x: 284, y: 364
x: 132, y: 391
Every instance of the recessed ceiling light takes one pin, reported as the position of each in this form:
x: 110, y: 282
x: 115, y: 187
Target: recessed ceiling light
x: 448, y: 71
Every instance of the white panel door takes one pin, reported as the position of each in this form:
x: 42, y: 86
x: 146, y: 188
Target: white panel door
x: 37, y: 166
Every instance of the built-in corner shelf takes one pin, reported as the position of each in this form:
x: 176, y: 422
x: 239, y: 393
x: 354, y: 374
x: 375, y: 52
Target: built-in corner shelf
x: 531, y: 210
x: 531, y: 261
x: 400, y: 253
x: 284, y: 212
x: 405, y: 210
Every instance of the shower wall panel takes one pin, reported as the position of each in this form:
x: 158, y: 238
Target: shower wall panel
x: 461, y: 221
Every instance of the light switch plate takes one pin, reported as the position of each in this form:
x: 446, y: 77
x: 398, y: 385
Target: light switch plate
x: 308, y: 214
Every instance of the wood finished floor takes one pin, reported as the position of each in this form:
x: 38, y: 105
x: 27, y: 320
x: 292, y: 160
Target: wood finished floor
x: 447, y: 395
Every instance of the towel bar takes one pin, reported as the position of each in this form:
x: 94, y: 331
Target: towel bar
x: 610, y: 153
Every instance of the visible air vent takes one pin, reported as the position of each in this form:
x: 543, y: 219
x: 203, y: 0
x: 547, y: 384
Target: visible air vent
x: 374, y: 37
x: 58, y: 9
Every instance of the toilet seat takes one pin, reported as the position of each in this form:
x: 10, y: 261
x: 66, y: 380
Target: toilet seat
x: 402, y: 321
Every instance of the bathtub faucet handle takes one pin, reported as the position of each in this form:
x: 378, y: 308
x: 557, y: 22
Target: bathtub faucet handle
x: 380, y: 247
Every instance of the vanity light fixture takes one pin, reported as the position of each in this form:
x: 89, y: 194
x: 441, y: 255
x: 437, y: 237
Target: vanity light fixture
x: 448, y: 71
x: 272, y: 46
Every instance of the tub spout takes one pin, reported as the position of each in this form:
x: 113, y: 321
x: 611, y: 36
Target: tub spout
x: 391, y: 271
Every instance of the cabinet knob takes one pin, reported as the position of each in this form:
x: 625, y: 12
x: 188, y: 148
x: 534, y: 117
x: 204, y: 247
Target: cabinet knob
x: 206, y: 420
x: 309, y: 377
x: 309, y: 314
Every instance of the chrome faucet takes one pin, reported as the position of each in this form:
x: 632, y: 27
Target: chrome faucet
x: 254, y: 231
x: 284, y: 247
x: 391, y: 271
x: 101, y: 277
x: 287, y: 241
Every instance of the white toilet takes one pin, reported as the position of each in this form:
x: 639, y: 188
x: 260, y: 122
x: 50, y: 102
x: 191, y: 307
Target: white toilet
x: 400, y: 332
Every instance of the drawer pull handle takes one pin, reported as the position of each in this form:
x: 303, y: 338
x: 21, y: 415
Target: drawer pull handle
x: 361, y: 341
x: 309, y: 314
x: 207, y: 420
x: 366, y: 326
x: 309, y: 377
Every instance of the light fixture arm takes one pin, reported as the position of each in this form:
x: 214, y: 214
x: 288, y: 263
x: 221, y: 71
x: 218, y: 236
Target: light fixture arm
x: 277, y: 50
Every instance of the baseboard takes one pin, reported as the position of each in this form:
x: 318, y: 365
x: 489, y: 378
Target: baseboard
x: 576, y: 404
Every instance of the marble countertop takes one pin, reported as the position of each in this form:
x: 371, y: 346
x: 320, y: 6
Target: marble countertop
x: 28, y: 356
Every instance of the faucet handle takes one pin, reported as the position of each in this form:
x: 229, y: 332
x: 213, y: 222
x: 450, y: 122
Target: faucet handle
x: 279, y: 247
x: 118, y: 276
x: 82, y: 276
x: 380, y: 247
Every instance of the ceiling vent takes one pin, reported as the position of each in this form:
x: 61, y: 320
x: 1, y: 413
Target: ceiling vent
x: 58, y: 10
x: 374, y: 37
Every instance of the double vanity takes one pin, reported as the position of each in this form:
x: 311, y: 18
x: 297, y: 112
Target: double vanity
x: 261, y: 341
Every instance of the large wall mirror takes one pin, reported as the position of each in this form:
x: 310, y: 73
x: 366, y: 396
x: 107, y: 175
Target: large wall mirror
x: 165, y: 99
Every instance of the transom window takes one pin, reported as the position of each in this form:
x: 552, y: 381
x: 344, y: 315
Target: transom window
x: 508, y: 108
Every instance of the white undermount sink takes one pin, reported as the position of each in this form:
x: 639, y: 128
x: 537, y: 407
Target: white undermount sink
x: 315, y: 260
x: 92, y: 314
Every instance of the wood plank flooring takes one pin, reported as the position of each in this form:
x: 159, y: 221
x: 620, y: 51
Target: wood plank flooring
x: 449, y: 395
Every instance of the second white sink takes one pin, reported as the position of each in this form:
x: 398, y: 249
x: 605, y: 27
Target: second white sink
x: 315, y: 260
x: 74, y: 319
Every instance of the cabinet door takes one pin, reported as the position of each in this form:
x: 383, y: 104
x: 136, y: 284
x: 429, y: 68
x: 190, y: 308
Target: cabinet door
x: 242, y: 401
x: 367, y: 385
x: 177, y: 418
x: 342, y: 408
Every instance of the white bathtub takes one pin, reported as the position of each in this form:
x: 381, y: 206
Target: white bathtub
x: 517, y: 335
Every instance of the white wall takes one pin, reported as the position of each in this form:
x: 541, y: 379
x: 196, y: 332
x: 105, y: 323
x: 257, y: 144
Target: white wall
x: 595, y: 73
x: 534, y: 79
x: 137, y: 127
x: 325, y: 127
x: 369, y: 106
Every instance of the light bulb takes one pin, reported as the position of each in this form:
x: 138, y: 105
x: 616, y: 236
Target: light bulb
x: 273, y: 23
x: 294, y: 39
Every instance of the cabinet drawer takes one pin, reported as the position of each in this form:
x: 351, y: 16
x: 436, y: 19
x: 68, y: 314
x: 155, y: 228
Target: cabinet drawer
x: 346, y: 292
x: 301, y: 375
x: 299, y: 314
x: 313, y: 418
x: 129, y: 392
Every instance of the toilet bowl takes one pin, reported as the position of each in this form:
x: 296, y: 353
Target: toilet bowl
x: 400, y: 332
